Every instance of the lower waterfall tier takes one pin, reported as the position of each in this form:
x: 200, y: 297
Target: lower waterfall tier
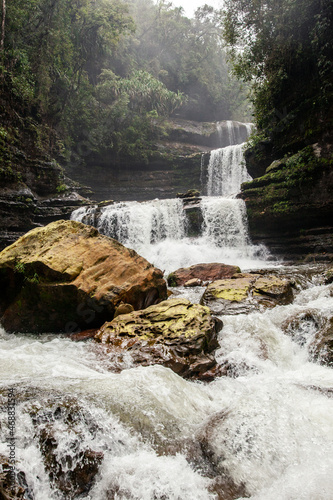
x: 161, y: 231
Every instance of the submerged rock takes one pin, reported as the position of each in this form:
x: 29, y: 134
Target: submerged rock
x: 328, y: 276
x: 65, y: 433
x: 203, y: 272
x: 13, y: 484
x: 68, y: 277
x: 174, y: 333
x: 244, y: 293
x: 315, y: 331
x: 322, y: 346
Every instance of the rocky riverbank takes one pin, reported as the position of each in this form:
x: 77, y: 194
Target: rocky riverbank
x: 290, y: 204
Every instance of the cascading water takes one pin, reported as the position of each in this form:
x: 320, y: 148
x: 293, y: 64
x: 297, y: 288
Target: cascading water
x: 231, y: 132
x: 226, y: 171
x: 148, y: 434
x: 157, y: 229
x: 269, y: 426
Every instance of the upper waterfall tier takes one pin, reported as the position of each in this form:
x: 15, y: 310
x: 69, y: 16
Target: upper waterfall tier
x: 231, y: 132
x: 226, y: 171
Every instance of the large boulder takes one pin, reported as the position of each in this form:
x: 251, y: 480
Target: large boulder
x: 175, y: 333
x: 67, y: 277
x: 247, y: 292
x: 202, y: 272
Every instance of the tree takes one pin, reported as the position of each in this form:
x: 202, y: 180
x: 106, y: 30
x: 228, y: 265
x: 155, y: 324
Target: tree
x: 285, y: 48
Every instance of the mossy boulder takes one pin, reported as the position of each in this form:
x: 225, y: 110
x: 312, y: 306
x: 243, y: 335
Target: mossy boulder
x: 175, y: 333
x: 244, y: 293
x: 67, y: 277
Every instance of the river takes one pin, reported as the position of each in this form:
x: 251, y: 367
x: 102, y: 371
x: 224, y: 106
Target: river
x: 268, y: 425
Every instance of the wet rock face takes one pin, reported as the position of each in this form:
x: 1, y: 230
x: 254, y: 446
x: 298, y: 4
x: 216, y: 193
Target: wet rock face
x: 202, y: 272
x: 73, y: 471
x: 174, y: 333
x: 245, y: 293
x: 67, y: 277
x: 315, y: 331
x: 13, y: 485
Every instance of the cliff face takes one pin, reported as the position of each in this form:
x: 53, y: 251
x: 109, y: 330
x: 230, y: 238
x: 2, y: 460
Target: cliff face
x: 290, y: 206
x: 174, y: 166
x: 33, y: 188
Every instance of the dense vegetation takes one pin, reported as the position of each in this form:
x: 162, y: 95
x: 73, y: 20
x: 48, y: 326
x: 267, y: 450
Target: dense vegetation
x: 82, y: 76
x: 285, y: 49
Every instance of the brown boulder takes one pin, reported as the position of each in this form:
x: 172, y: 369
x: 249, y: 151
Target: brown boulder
x: 202, y: 272
x: 245, y: 293
x: 68, y: 277
x: 174, y: 333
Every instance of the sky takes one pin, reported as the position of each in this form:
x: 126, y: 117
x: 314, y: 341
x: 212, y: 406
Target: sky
x: 191, y: 5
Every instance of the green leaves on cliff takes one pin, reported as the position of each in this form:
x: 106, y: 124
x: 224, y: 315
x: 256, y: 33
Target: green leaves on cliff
x: 54, y: 51
x: 285, y: 48
x: 111, y: 70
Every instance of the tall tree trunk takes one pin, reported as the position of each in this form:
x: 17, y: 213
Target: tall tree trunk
x: 2, y: 43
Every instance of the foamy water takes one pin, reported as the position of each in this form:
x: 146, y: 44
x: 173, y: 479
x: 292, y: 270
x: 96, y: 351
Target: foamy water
x: 271, y: 428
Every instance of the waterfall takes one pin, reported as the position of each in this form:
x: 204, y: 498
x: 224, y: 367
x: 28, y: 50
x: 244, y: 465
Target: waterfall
x: 160, y: 436
x: 226, y: 171
x: 137, y: 224
x: 157, y: 230
x: 231, y: 132
x: 225, y: 223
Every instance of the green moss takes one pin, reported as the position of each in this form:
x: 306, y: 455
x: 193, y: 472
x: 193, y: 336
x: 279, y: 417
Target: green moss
x: 172, y: 280
x: 61, y: 188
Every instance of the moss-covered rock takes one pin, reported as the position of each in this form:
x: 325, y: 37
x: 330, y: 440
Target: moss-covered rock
x: 244, y: 293
x: 174, y: 333
x: 290, y: 206
x: 66, y: 277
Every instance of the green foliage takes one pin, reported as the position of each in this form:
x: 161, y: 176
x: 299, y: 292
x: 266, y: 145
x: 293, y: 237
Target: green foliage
x: 187, y: 55
x: 19, y: 267
x: 61, y: 188
x: 29, y: 277
x: 172, y: 280
x: 89, y: 77
x: 285, y: 49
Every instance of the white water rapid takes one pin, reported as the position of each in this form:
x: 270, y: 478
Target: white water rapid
x: 271, y: 428
x: 267, y: 425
